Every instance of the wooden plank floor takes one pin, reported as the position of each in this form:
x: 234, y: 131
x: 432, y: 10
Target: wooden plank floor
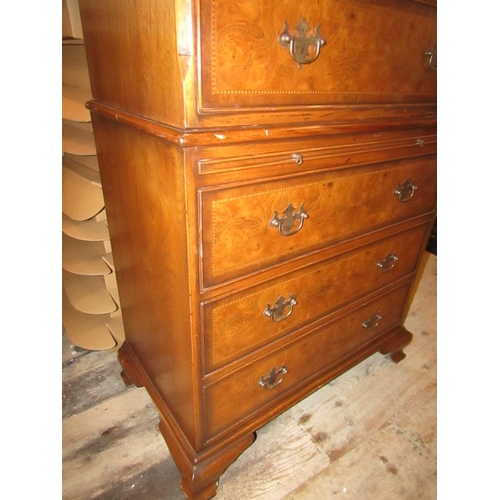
x: 368, y: 435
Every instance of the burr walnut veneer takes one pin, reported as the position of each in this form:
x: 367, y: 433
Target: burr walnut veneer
x: 269, y: 172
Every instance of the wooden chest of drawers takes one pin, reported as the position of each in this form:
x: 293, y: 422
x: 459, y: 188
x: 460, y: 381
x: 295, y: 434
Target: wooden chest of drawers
x: 270, y: 188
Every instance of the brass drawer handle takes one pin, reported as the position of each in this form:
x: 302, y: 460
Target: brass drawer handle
x: 405, y: 191
x: 274, y: 377
x: 304, y: 48
x: 298, y: 158
x: 277, y: 313
x: 387, y: 263
x: 431, y: 60
x: 372, y: 321
x: 286, y: 223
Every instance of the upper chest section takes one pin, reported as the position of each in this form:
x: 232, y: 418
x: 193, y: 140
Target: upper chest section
x: 214, y: 63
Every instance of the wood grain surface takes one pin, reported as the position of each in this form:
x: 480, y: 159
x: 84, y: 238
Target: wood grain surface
x: 371, y: 433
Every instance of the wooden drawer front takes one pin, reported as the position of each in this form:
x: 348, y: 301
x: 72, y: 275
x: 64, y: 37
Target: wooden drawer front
x: 238, y: 325
x: 374, y: 53
x: 237, y: 396
x: 238, y: 237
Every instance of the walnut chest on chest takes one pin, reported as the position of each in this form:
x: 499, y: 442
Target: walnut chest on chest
x: 269, y: 173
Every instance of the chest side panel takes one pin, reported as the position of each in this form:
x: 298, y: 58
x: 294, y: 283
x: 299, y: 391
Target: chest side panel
x: 144, y: 191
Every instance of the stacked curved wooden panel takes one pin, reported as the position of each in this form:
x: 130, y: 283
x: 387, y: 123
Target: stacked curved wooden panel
x: 91, y: 307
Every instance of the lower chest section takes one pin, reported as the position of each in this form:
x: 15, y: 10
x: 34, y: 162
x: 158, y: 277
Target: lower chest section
x: 303, y: 273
